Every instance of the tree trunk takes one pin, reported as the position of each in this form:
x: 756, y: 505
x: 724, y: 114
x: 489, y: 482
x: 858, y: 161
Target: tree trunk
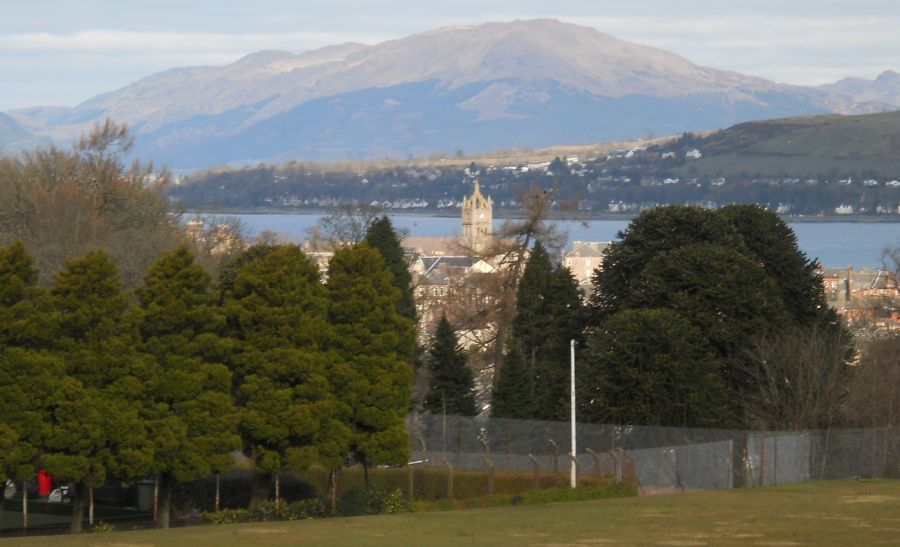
x: 91, y: 506
x: 156, y: 500
x: 260, y: 492
x: 165, y: 500
x: 77, y: 508
x: 365, y: 466
x: 218, y: 493
x: 334, y: 477
x: 24, y: 505
x: 2, y: 503
x: 277, y: 490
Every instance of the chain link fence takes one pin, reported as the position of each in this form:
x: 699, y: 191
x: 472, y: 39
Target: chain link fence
x: 658, y: 458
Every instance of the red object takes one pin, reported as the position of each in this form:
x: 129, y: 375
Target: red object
x: 45, y: 483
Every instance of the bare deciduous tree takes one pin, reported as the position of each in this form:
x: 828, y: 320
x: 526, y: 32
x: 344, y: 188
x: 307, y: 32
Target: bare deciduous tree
x: 347, y: 225
x: 797, y: 379
x: 875, y: 394
x: 62, y: 204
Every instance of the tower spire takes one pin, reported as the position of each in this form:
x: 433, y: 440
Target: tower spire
x: 477, y: 219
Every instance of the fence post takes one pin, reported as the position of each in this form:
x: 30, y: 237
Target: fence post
x: 555, y: 456
x: 490, y: 473
x: 575, y: 463
x: 410, y: 486
x: 424, y: 448
x: 596, y: 457
x: 449, y: 479
x: 617, y: 465
x: 762, y: 458
x: 775, y: 460
x: 730, y: 464
x: 537, y: 471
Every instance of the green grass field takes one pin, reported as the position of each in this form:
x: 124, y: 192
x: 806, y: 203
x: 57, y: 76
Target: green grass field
x: 824, y: 513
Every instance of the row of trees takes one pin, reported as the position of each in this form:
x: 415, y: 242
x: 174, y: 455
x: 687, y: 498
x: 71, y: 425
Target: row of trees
x: 97, y: 384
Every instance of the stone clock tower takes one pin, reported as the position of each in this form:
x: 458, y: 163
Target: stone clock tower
x: 477, y: 220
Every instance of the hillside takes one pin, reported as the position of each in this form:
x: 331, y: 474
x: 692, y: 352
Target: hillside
x: 15, y: 138
x: 801, y: 147
x: 521, y: 84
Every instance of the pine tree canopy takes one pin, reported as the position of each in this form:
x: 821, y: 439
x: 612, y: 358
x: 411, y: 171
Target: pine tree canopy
x: 372, y: 345
x: 450, y: 385
x: 381, y: 235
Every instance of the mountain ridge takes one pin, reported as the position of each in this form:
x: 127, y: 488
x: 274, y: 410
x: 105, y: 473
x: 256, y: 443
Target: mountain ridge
x: 519, y: 82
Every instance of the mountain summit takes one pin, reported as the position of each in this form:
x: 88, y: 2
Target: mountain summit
x: 518, y: 84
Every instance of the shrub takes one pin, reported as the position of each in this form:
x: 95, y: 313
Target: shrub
x: 530, y: 497
x: 297, y: 510
x: 373, y: 502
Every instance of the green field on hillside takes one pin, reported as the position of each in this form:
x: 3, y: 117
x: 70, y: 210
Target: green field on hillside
x: 807, y: 146
x: 823, y: 513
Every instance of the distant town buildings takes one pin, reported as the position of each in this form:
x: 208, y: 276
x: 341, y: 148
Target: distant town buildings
x: 865, y: 298
x: 584, y: 258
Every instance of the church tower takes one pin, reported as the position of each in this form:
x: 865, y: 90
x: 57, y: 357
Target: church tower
x: 477, y: 220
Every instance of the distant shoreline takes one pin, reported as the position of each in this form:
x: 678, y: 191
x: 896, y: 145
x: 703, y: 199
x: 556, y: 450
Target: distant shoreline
x: 503, y: 214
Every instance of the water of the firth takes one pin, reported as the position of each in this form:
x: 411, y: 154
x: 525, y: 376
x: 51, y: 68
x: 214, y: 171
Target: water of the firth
x: 835, y: 244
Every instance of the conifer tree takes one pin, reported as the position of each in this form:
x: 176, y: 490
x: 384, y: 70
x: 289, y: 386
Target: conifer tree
x: 513, y: 395
x: 548, y: 315
x: 563, y: 321
x: 371, y: 345
x: 450, y: 385
x: 189, y: 409
x: 652, y: 367
x: 277, y: 316
x: 381, y: 235
x: 98, y: 429
x: 29, y: 375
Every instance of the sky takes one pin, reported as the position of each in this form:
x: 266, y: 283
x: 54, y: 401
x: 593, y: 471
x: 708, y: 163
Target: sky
x: 61, y: 52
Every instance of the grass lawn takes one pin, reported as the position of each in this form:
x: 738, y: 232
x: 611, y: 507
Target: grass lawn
x: 824, y: 513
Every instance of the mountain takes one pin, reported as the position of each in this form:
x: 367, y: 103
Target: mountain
x: 15, y: 138
x: 885, y: 89
x: 498, y: 85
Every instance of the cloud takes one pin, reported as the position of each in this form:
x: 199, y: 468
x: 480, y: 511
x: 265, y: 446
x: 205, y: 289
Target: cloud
x: 125, y: 42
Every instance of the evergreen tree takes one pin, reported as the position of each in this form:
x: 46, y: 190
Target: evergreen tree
x: 548, y: 316
x: 617, y: 283
x: 189, y: 409
x: 371, y: 347
x: 98, y: 429
x: 450, y: 386
x: 798, y: 278
x: 513, y: 395
x: 736, y: 274
x: 563, y: 321
x: 19, y: 299
x: 277, y: 316
x: 29, y: 375
x: 651, y: 367
x: 381, y: 235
